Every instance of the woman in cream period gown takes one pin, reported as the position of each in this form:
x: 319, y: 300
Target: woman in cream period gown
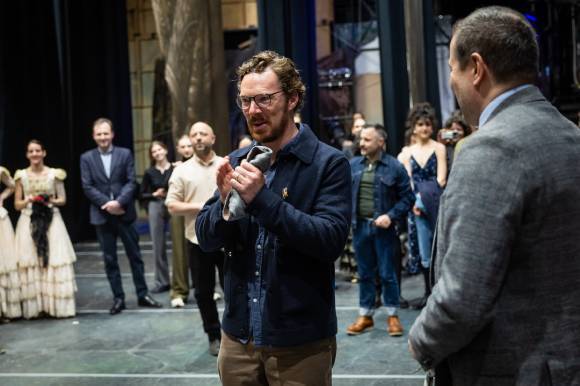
x: 9, y: 283
x: 46, y: 288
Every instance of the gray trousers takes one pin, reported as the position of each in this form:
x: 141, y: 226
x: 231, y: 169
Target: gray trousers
x: 158, y: 218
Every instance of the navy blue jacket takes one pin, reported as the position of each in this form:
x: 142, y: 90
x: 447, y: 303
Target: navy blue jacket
x: 393, y: 195
x: 306, y: 214
x: 99, y: 189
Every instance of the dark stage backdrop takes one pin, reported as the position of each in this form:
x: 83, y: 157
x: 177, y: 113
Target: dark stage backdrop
x: 63, y: 63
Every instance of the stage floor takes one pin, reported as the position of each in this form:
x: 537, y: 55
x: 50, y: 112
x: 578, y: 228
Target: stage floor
x: 168, y: 346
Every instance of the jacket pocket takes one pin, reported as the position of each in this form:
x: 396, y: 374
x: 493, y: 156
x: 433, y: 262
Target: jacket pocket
x: 388, y: 181
x: 549, y: 372
x: 388, y: 193
x: 488, y: 363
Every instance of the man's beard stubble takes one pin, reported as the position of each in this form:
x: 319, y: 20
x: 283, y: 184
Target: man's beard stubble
x: 203, y: 150
x: 274, y: 134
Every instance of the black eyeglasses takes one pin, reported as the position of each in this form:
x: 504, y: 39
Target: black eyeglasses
x: 262, y: 100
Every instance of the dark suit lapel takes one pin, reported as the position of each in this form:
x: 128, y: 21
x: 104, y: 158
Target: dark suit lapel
x: 114, y: 161
x: 99, y: 163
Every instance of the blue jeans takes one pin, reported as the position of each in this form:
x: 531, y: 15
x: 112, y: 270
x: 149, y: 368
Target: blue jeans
x: 425, y: 239
x: 376, y: 250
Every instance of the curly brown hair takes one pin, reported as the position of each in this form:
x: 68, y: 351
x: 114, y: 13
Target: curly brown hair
x: 283, y: 67
x: 422, y: 110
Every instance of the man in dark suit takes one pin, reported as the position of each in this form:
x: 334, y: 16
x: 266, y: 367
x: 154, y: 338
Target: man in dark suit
x: 108, y: 179
x: 505, y: 309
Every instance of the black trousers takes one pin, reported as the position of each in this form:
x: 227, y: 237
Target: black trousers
x: 107, y: 235
x: 204, y: 265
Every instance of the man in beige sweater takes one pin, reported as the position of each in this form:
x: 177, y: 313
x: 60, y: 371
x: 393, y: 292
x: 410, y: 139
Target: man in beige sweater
x: 190, y: 186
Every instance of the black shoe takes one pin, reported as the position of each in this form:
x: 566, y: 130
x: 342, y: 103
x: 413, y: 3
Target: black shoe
x: 403, y: 303
x: 159, y: 289
x: 118, y: 306
x: 148, y: 301
x: 419, y: 303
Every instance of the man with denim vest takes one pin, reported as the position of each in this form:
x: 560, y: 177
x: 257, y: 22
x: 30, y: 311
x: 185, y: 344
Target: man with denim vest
x: 381, y: 195
x: 279, y: 323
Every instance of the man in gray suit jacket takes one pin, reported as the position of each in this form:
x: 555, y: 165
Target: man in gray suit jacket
x: 108, y: 178
x: 505, y: 309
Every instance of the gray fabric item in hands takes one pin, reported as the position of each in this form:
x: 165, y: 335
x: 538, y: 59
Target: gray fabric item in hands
x: 235, y: 207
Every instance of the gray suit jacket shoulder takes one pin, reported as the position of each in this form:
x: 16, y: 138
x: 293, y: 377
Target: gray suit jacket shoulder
x: 99, y: 188
x: 506, y: 305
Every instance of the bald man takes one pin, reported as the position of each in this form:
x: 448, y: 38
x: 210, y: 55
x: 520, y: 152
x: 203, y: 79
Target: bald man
x: 190, y: 186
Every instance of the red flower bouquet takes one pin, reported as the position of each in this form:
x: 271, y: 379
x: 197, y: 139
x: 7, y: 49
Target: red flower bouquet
x: 41, y: 199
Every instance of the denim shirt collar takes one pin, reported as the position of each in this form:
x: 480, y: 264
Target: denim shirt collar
x: 382, y: 159
x: 303, y: 145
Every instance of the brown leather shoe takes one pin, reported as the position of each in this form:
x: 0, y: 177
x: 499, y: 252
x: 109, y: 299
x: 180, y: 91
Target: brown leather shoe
x: 362, y: 324
x: 395, y: 328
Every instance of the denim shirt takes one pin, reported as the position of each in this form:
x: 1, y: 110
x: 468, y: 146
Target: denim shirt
x: 296, y: 229
x: 256, y: 285
x: 392, y: 194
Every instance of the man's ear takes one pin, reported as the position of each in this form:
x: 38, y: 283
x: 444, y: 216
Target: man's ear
x: 479, y: 69
x: 292, y: 101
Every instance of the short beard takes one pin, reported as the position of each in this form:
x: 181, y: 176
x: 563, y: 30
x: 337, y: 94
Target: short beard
x: 277, y: 132
x: 274, y: 135
x: 202, y: 153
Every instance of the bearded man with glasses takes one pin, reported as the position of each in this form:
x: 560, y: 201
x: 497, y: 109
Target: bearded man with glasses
x: 279, y: 322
